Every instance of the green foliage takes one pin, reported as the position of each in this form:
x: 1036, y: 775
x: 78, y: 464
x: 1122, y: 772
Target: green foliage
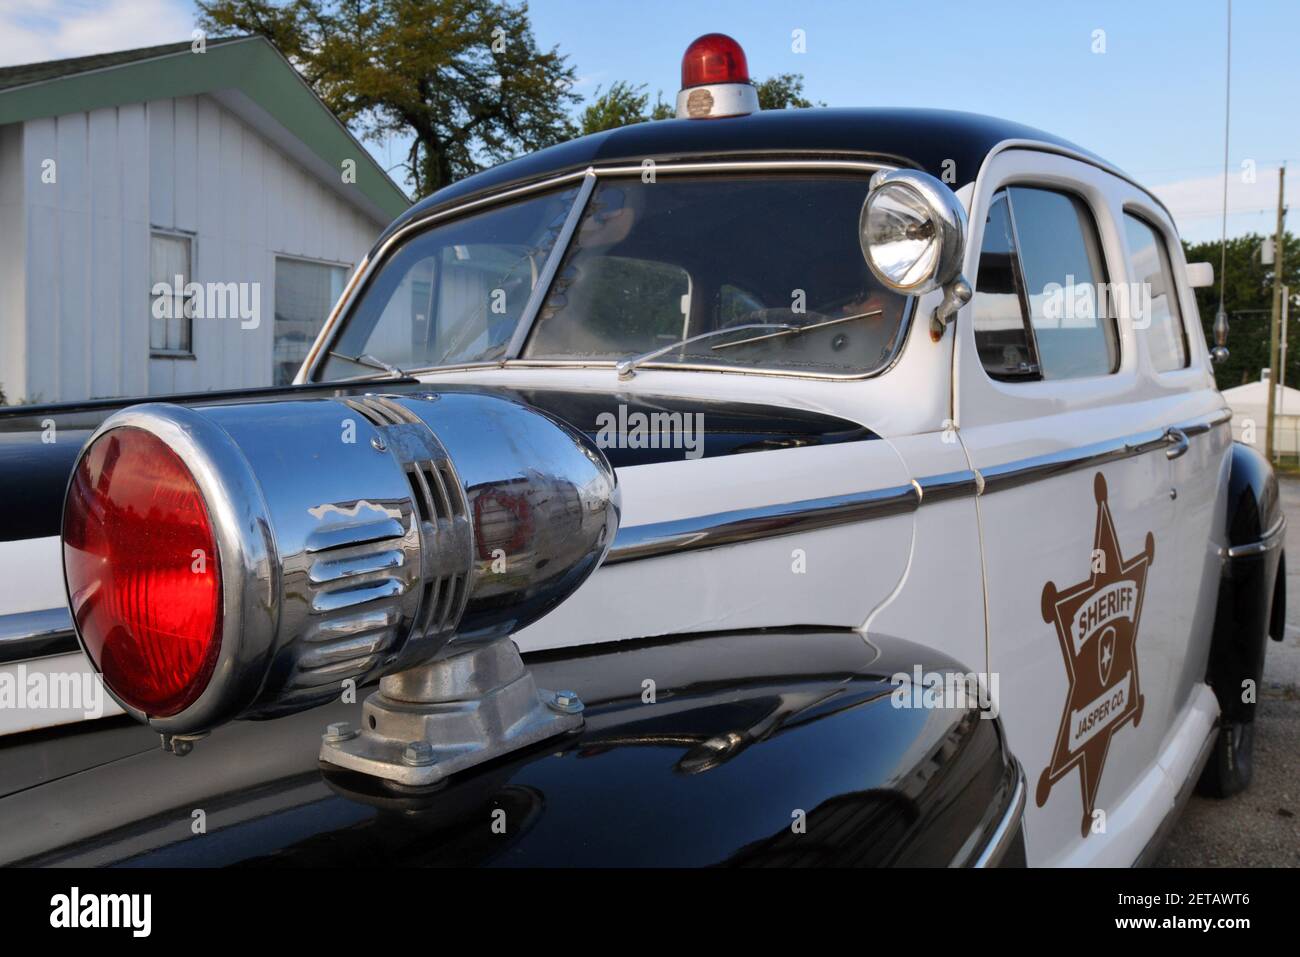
x: 663, y: 110
x: 621, y: 105
x: 783, y: 92
x: 1248, y: 299
x: 465, y: 78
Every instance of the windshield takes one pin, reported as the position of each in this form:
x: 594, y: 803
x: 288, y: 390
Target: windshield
x: 759, y: 271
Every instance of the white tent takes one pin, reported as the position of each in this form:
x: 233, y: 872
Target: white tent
x: 1249, y: 404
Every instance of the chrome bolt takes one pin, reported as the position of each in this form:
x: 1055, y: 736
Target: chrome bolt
x: 418, y: 753
x: 339, y: 731
x: 379, y: 444
x: 565, y: 702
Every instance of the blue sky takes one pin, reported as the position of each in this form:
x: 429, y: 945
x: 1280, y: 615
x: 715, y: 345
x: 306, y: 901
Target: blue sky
x: 1152, y: 102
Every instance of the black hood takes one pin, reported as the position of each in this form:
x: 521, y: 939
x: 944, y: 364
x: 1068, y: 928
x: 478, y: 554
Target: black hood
x: 39, y: 444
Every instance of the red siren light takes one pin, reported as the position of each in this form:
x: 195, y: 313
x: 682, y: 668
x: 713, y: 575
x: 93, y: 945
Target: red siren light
x: 135, y: 527
x: 714, y: 58
x: 715, y: 80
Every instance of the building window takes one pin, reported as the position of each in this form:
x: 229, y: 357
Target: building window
x: 304, y: 294
x: 171, y: 314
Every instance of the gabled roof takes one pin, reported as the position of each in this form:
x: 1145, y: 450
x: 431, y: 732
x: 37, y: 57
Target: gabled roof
x: 248, y: 74
x: 25, y: 73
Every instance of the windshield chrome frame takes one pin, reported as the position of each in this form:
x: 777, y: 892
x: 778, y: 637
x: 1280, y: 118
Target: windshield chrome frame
x: 587, y: 181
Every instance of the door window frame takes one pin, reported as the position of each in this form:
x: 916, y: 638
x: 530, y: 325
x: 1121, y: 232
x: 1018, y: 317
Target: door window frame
x: 979, y: 398
x: 1177, y: 267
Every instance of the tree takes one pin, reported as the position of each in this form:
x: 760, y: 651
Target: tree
x: 624, y: 104
x: 464, y: 78
x: 783, y: 92
x: 1248, y: 299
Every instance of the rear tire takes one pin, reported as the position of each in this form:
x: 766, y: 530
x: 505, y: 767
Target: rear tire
x: 1232, y: 763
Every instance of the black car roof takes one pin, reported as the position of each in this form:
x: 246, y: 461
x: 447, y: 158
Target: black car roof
x: 923, y: 139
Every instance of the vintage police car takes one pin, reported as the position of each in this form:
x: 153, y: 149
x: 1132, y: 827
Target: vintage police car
x: 853, y: 483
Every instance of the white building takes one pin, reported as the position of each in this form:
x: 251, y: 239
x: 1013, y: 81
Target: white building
x: 1249, y: 404
x: 122, y: 171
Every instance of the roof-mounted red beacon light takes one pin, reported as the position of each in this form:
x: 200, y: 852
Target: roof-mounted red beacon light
x: 715, y: 80
x: 714, y: 58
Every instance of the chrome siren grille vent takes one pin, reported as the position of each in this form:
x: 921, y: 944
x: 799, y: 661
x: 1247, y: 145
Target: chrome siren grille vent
x: 442, y: 509
x: 358, y: 572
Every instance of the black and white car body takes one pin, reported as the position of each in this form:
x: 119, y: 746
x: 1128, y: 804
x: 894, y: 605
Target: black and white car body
x: 753, y: 432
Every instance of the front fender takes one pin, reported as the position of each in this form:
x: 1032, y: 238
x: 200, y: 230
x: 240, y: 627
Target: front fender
x: 737, y: 749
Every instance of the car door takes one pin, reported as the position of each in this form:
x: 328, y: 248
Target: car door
x: 1200, y: 458
x: 1061, y: 420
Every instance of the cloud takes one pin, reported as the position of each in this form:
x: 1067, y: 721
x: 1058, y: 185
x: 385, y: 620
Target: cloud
x: 1197, y: 203
x: 35, y: 30
x: 589, y: 80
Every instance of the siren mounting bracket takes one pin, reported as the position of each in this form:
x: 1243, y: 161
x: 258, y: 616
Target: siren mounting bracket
x: 471, y: 704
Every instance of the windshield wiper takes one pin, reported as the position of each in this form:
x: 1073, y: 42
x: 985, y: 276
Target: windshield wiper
x: 372, y: 362
x: 797, y: 329
x: 627, y: 368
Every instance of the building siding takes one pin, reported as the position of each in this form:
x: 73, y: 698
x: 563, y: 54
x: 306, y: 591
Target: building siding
x: 186, y: 165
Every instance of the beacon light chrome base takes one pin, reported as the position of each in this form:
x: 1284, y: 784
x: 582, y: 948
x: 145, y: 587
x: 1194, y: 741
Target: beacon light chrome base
x: 912, y: 230
x: 715, y: 100
x: 357, y: 538
x: 461, y: 709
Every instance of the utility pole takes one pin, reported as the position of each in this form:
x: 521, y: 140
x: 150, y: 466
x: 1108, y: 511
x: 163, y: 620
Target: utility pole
x: 1279, y: 261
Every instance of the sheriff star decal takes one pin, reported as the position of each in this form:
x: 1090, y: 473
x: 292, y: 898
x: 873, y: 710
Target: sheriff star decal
x: 1097, y: 625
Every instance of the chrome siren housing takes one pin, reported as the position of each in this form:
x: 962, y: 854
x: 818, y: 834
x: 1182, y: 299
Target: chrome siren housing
x: 360, y: 536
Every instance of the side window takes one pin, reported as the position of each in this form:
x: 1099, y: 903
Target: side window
x: 1001, y: 313
x: 1156, y: 307
x: 1046, y: 271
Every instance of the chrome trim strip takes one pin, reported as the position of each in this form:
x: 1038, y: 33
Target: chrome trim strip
x: 1205, y: 423
x: 1267, y: 542
x: 998, y: 844
x: 36, y: 634
x: 542, y: 288
x: 765, y: 521
x: 1035, y: 468
x: 949, y: 485
x: 744, y: 525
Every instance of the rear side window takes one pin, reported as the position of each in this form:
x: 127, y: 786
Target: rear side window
x: 1042, y: 246
x: 1157, y: 296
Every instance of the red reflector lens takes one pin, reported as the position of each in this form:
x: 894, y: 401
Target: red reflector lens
x: 714, y: 58
x: 144, y: 577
